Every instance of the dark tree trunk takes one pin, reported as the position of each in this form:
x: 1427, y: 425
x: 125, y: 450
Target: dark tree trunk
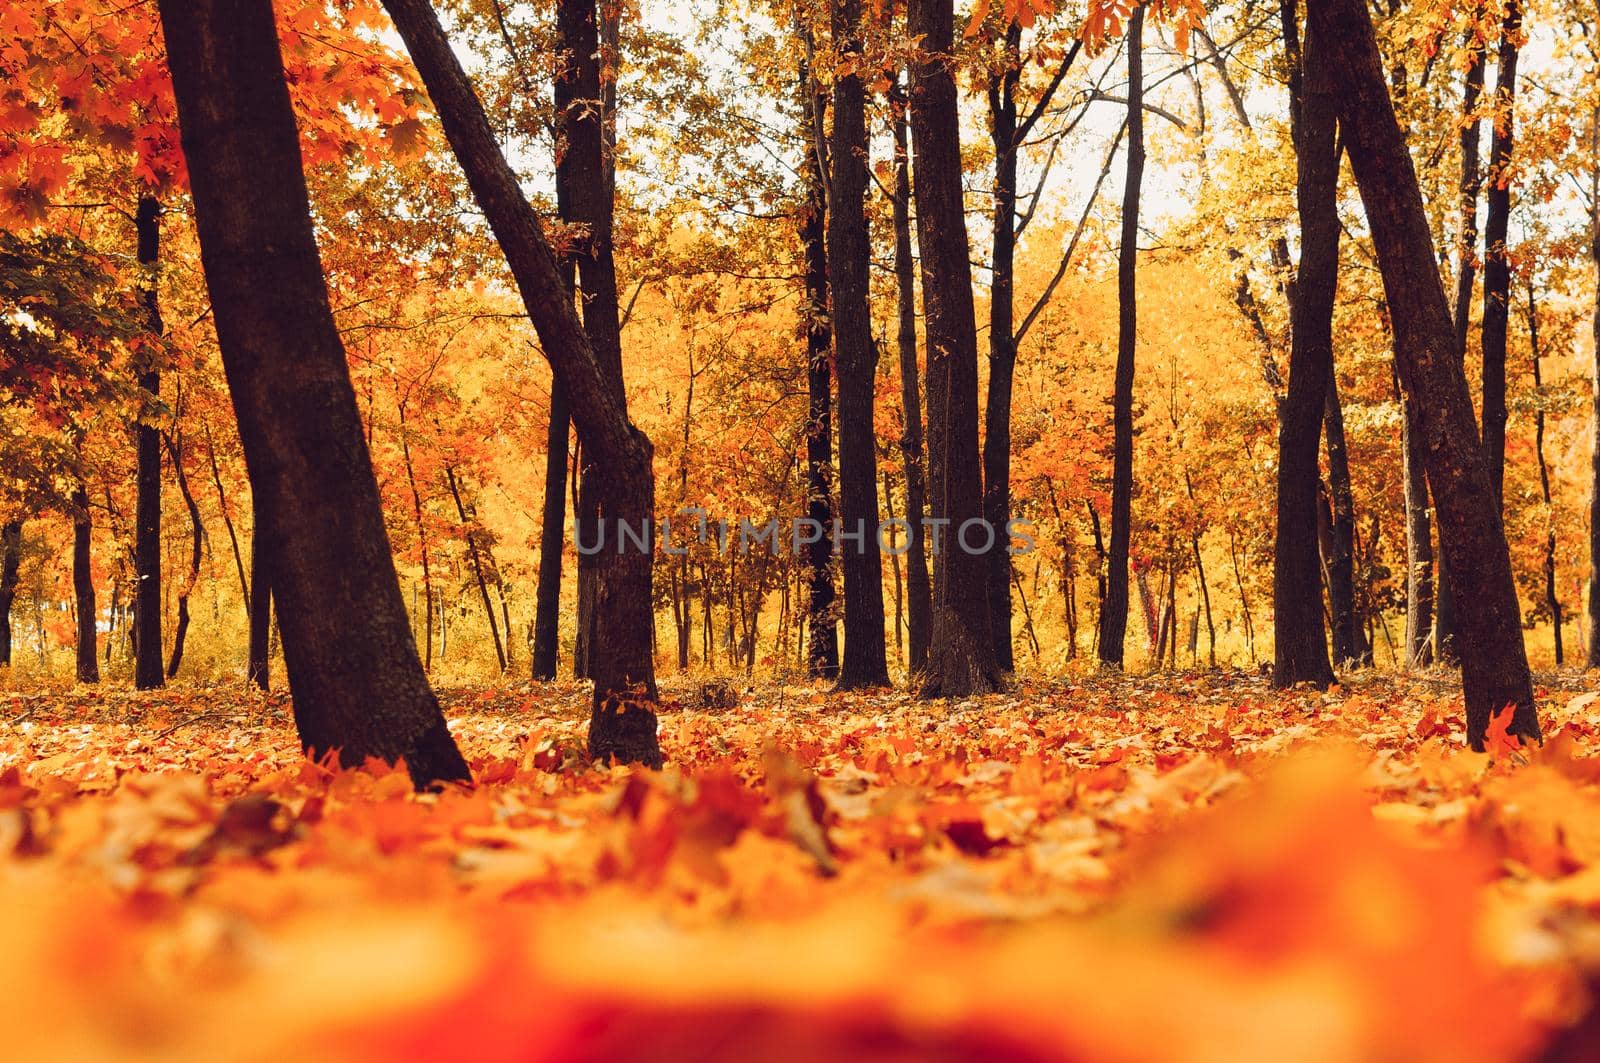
x: 357, y: 683
x: 1592, y: 650
x: 1419, y: 550
x: 1114, y: 613
x: 88, y: 657
x: 258, y: 658
x: 961, y: 653
x: 822, y: 656
x: 622, y: 726
x: 10, y: 567
x: 1349, y: 637
x: 1002, y: 341
x: 1494, y: 662
x: 581, y: 155
x: 552, y: 539
x: 1300, y: 648
x: 469, y: 534
x: 919, y: 597
x: 1551, y: 599
x: 147, y: 670
x: 1444, y: 620
x: 197, y: 538
x: 1496, y: 266
x: 855, y: 360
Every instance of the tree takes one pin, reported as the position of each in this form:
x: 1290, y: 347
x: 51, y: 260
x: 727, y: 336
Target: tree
x: 1114, y: 612
x: 822, y: 654
x: 1496, y: 263
x: 358, y: 685
x: 961, y: 653
x: 1494, y: 662
x: 919, y: 599
x: 622, y: 724
x: 87, y: 655
x: 148, y: 671
x: 10, y: 568
x: 855, y: 360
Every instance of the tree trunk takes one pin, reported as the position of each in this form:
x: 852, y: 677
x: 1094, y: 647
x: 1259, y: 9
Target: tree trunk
x: 552, y: 540
x: 822, y: 657
x: 197, y: 538
x: 357, y: 684
x: 1300, y: 652
x: 1496, y: 265
x: 919, y: 599
x: 258, y: 657
x: 1349, y: 639
x: 1592, y: 654
x: 88, y: 657
x: 1444, y: 619
x: 428, y: 598
x: 1552, y: 601
x: 855, y: 360
x: 477, y: 566
x: 10, y: 566
x: 961, y: 652
x: 1419, y: 550
x: 1114, y: 614
x: 227, y: 518
x: 622, y: 726
x: 1494, y: 662
x: 1002, y: 341
x: 147, y: 670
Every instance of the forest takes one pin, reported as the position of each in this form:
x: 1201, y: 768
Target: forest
x: 824, y: 529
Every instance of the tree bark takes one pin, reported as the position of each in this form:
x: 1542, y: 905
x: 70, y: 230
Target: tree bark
x: 855, y: 358
x: 1494, y: 662
x: 552, y: 540
x: 919, y: 599
x: 822, y: 656
x: 1300, y: 651
x: 88, y: 658
x: 356, y: 680
x: 1349, y: 637
x: 1444, y: 619
x: 227, y: 518
x: 1002, y: 340
x: 147, y: 671
x: 1419, y: 549
x: 1114, y: 613
x: 961, y: 652
x: 10, y: 567
x: 622, y: 725
x: 258, y: 657
x: 1496, y: 265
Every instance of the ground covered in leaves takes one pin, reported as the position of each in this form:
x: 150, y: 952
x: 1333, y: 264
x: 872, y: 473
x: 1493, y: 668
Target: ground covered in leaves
x: 1180, y: 868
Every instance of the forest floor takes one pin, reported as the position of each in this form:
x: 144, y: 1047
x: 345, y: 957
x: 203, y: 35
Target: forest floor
x: 1177, y: 867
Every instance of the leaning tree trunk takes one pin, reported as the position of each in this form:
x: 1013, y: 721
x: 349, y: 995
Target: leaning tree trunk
x: 919, y: 599
x: 197, y: 535
x: 855, y: 361
x: 1494, y: 661
x: 1300, y: 650
x: 1002, y: 342
x: 1349, y: 639
x: 1496, y: 264
x: 822, y: 654
x: 147, y: 671
x: 88, y: 658
x: 10, y: 567
x: 622, y: 725
x: 1419, y: 549
x: 961, y: 653
x: 1114, y: 613
x: 356, y: 680
x: 1444, y: 620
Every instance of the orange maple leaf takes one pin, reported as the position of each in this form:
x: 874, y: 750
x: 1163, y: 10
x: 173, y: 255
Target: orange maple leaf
x: 1501, y: 743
